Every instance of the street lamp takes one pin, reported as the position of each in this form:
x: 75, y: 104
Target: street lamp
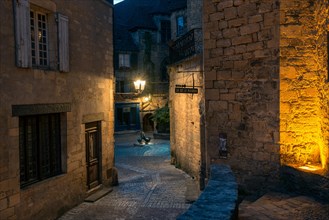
x: 139, y: 85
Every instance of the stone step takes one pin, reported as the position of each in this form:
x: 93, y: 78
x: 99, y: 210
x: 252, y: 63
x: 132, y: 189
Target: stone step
x: 98, y: 194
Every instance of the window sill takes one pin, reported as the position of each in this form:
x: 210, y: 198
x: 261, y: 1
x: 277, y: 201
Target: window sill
x: 41, y: 182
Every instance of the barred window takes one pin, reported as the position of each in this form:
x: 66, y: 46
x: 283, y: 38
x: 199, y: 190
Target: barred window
x: 39, y: 147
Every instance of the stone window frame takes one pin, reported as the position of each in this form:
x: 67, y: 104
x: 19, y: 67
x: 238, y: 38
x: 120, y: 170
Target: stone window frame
x: 36, y: 112
x: 40, y: 148
x: 58, y: 31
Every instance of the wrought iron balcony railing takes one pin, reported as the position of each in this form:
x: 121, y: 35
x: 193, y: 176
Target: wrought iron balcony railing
x: 187, y: 45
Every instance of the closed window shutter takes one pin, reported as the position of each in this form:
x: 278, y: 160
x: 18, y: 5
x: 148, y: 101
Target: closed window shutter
x: 23, y: 33
x: 63, y: 42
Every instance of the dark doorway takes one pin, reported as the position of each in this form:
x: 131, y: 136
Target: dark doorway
x: 148, y: 124
x: 93, y: 153
x: 127, y: 116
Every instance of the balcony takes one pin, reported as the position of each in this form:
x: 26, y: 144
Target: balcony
x: 186, y: 46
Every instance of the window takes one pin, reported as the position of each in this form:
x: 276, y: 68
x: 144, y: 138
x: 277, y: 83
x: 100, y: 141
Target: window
x: 165, y: 31
x: 39, y: 147
x: 39, y: 39
x: 124, y: 60
x: 41, y: 35
x: 180, y: 22
x: 120, y: 86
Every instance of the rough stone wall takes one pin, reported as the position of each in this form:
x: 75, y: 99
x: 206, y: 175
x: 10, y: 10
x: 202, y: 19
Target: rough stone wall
x: 185, y: 112
x: 194, y: 14
x: 88, y: 87
x: 241, y: 61
x: 322, y: 17
x: 150, y: 66
x: 173, y: 18
x: 303, y: 85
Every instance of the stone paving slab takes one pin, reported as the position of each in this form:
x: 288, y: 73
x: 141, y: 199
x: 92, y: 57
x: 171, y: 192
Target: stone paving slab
x: 149, y: 188
x: 282, y: 206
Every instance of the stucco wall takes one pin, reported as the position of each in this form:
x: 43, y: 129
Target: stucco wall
x: 88, y: 87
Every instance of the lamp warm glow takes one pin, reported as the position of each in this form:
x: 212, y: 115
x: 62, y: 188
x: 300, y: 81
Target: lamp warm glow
x: 139, y: 85
x: 310, y: 168
x: 146, y: 99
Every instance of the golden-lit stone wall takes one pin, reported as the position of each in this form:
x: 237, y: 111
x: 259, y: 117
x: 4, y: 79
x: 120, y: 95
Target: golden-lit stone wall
x: 185, y: 111
x: 241, y: 61
x: 303, y: 83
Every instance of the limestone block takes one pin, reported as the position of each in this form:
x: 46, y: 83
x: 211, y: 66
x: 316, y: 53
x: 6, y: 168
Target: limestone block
x: 228, y: 97
x: 255, y: 19
x: 247, y: 9
x: 223, y: 43
x: 210, y: 44
x: 242, y: 40
x: 7, y: 213
x: 229, y: 33
x: 237, y: 22
x: 230, y: 13
x: 224, y: 75
x: 216, y: 52
x: 249, y: 29
x: 270, y: 19
x: 224, y: 4
x: 14, y: 200
x: 222, y: 25
x: 211, y: 75
x: 229, y: 51
x: 255, y: 46
x: 3, y: 204
x: 240, y: 65
x: 265, y: 7
x: 216, y: 16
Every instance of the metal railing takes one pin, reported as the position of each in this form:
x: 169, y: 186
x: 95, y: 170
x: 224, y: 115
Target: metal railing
x: 187, y: 45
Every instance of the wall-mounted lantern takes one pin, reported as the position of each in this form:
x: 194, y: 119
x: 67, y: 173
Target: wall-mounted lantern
x: 222, y: 145
x: 139, y: 85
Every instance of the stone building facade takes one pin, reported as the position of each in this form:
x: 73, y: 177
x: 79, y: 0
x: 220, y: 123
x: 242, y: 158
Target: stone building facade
x: 266, y: 73
x: 142, y: 30
x: 186, y: 72
x: 56, y: 89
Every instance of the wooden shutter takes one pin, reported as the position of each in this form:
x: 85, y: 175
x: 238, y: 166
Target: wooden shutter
x: 63, y: 42
x: 22, y: 33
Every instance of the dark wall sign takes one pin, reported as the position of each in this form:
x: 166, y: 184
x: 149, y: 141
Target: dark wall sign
x: 186, y: 90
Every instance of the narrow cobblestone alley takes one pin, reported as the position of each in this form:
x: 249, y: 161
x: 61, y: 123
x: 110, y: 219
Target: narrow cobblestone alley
x: 149, y: 187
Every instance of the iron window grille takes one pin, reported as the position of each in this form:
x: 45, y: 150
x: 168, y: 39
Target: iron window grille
x: 39, y: 147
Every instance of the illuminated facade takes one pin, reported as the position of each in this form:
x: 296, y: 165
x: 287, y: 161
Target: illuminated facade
x: 266, y: 86
x: 56, y: 134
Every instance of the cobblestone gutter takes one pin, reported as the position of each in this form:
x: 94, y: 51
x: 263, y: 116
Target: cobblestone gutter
x: 219, y: 199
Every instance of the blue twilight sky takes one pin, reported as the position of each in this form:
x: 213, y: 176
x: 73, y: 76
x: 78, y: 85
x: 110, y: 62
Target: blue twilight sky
x: 117, y: 1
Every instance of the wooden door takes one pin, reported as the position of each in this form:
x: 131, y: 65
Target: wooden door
x: 93, y: 154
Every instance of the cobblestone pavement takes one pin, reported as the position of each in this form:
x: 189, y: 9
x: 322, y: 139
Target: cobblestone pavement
x: 149, y: 187
x: 283, y: 206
